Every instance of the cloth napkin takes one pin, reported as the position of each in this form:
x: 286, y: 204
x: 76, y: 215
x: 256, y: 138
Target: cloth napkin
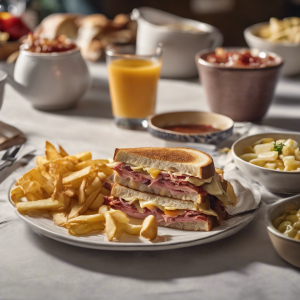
x: 10, y: 136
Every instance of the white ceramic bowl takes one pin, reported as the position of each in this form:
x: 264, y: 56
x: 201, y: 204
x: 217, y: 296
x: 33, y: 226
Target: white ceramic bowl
x: 287, y: 248
x: 290, y: 52
x: 282, y: 182
x: 179, y: 46
x: 156, y: 124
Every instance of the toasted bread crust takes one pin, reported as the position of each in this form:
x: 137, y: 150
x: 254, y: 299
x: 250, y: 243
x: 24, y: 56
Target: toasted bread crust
x: 187, y: 161
x: 192, y: 226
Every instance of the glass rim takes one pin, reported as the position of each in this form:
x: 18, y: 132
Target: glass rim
x: 109, y: 51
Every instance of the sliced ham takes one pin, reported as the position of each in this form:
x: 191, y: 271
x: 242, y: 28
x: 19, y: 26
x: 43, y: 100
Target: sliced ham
x: 131, y: 210
x: 176, y: 184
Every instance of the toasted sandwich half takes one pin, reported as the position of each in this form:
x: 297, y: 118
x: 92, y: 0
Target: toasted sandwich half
x: 179, y: 173
x: 179, y: 186
x: 169, y: 212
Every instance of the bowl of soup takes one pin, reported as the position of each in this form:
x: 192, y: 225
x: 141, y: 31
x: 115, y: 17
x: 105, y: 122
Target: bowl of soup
x: 191, y: 127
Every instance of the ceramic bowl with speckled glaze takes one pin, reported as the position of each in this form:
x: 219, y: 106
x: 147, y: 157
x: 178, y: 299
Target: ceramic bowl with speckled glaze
x: 157, y: 123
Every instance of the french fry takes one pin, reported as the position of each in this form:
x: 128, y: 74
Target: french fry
x: 102, y: 176
x: 48, y: 176
x: 118, y: 215
x: 40, y: 160
x: 129, y: 228
x: 103, y: 209
x: 47, y: 204
x: 29, y: 174
x: 86, y: 219
x: 81, y: 192
x: 82, y: 208
x: 17, y: 194
x: 59, y: 218
x: 74, y: 185
x: 149, y: 228
x: 97, y: 203
x: 58, y: 189
x: 70, y: 192
x: 110, y: 227
x: 82, y: 156
x: 51, y: 152
x: 87, y: 163
x: 39, y: 213
x: 30, y: 186
x: 85, y: 228
x: 96, y: 183
x: 62, y: 151
x: 46, y: 185
x: 41, y: 194
x: 77, y: 175
x: 32, y: 197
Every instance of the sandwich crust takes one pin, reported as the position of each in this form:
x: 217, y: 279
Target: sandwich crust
x: 184, y: 160
x: 191, y: 226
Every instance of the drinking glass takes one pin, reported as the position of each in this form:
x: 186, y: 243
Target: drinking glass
x: 133, y: 80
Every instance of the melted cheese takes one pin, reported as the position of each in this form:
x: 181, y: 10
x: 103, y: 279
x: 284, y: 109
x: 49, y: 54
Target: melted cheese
x: 197, y: 181
x: 153, y: 172
x: 140, y: 204
x: 215, y: 188
x: 174, y: 213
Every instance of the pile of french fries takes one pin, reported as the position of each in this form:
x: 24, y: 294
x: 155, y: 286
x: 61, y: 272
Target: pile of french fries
x: 69, y: 189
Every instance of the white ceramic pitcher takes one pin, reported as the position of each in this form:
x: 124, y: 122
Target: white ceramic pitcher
x: 180, y: 46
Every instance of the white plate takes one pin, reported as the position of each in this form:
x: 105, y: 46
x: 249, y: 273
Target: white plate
x: 248, y: 198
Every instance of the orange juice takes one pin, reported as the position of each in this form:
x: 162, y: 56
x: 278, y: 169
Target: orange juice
x: 133, y: 85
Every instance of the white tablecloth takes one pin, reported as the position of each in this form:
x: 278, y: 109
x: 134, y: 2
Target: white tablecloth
x: 243, y: 266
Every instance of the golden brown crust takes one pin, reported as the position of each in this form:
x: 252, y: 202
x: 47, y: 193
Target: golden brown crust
x: 169, y: 154
x: 173, y: 155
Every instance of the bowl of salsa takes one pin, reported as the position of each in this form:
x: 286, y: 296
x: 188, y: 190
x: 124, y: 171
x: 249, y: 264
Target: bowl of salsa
x: 191, y: 127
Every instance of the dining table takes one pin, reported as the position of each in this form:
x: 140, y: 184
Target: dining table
x: 33, y: 266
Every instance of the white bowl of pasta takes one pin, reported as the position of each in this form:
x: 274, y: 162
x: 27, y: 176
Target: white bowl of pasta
x: 272, y: 159
x: 282, y: 220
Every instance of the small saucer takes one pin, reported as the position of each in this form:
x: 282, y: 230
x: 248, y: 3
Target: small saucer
x: 156, y: 123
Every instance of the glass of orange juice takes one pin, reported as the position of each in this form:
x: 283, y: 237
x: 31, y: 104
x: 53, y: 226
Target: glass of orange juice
x: 133, y: 83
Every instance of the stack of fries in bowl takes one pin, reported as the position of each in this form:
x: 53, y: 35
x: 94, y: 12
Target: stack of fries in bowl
x: 71, y: 190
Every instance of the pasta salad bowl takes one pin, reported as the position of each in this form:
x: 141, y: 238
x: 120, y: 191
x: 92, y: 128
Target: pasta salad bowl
x: 284, y: 178
x: 287, y: 247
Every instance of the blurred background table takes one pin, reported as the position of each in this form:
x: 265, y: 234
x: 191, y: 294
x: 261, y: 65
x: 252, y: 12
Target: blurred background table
x: 244, y: 265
